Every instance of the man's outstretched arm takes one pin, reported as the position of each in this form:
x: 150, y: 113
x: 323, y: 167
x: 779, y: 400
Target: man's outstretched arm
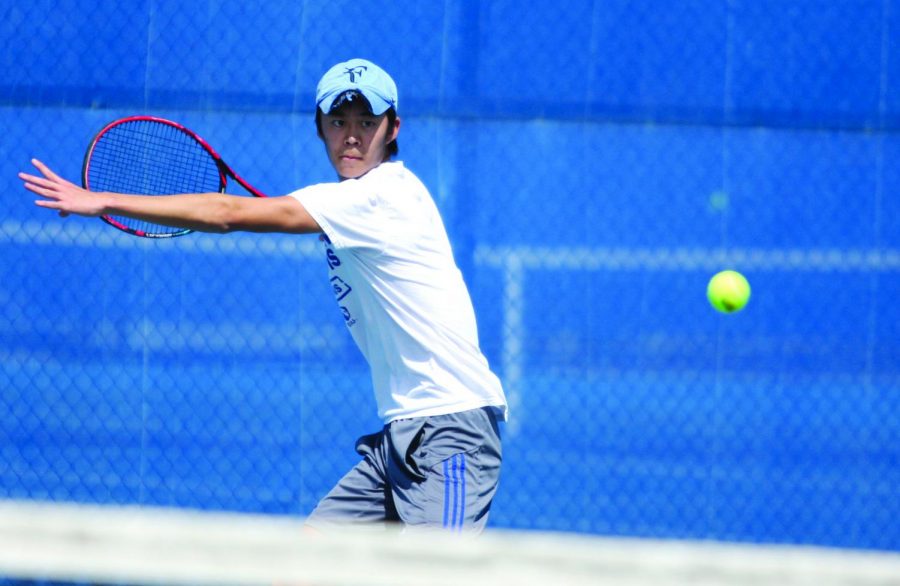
x: 203, y: 212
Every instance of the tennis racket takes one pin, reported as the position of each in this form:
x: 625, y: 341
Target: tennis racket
x: 152, y: 156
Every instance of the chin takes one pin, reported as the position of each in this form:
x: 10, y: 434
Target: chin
x: 350, y: 174
x: 353, y: 171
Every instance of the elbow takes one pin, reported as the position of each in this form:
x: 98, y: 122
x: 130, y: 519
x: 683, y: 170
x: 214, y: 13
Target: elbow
x: 226, y: 217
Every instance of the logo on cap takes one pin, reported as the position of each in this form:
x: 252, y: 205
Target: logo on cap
x: 355, y: 72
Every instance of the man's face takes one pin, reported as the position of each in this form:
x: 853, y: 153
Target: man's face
x: 355, y: 139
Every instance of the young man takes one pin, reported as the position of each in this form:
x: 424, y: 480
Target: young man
x: 436, y: 461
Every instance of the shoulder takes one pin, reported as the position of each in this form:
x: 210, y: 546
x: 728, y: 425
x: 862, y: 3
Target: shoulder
x: 387, y: 172
x: 394, y: 181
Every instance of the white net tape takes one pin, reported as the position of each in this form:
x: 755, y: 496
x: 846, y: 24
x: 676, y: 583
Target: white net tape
x: 163, y: 546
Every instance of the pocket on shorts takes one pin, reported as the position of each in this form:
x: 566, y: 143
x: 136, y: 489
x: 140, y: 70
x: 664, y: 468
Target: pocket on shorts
x: 458, y: 433
x: 405, y: 437
x: 367, y: 445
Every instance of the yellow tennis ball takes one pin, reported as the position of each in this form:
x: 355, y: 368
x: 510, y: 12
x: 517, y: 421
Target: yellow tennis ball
x: 728, y: 291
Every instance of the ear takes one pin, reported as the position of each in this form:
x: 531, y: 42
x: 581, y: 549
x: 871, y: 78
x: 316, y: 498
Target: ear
x: 393, y: 131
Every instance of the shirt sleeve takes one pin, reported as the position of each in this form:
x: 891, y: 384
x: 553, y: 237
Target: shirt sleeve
x: 347, y: 212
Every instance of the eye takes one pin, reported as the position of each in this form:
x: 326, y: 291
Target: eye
x: 337, y: 122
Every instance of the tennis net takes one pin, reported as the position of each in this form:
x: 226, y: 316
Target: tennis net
x: 68, y: 543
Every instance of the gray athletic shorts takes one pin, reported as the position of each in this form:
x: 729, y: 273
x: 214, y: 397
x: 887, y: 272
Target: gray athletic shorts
x: 439, y: 471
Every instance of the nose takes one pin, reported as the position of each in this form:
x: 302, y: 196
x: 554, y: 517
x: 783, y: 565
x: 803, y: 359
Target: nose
x: 351, y: 136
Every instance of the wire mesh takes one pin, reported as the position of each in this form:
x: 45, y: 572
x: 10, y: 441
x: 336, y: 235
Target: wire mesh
x: 595, y: 164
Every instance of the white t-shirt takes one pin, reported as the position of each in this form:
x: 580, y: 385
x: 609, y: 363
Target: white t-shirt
x: 402, y: 296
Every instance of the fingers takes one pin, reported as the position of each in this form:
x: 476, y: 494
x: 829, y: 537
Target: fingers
x: 39, y: 185
x: 50, y: 180
x: 58, y: 194
x: 35, y: 180
x: 44, y: 187
x: 45, y: 170
x: 47, y: 203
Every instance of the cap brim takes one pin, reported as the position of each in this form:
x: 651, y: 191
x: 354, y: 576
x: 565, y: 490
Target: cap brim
x: 377, y: 104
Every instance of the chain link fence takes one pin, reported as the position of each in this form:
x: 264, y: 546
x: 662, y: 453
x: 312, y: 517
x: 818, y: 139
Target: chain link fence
x: 595, y: 163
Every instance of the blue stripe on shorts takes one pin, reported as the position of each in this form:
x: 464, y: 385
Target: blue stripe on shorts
x: 455, y: 486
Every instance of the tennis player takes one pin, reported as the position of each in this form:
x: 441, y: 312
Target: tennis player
x: 436, y: 461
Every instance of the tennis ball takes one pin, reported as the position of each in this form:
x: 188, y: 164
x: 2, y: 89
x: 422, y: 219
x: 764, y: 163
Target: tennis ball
x: 728, y: 291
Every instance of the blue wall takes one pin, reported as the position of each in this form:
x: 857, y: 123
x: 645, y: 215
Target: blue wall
x: 595, y: 163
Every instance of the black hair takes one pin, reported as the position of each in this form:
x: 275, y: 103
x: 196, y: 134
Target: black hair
x: 392, y: 148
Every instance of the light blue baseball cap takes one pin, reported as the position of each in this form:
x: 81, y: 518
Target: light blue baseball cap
x: 360, y: 76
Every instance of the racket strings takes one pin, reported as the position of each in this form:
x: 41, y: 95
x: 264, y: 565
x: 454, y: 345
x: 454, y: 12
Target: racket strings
x: 149, y: 157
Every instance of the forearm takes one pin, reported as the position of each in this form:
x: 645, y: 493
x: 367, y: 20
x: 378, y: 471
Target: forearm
x: 203, y: 212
